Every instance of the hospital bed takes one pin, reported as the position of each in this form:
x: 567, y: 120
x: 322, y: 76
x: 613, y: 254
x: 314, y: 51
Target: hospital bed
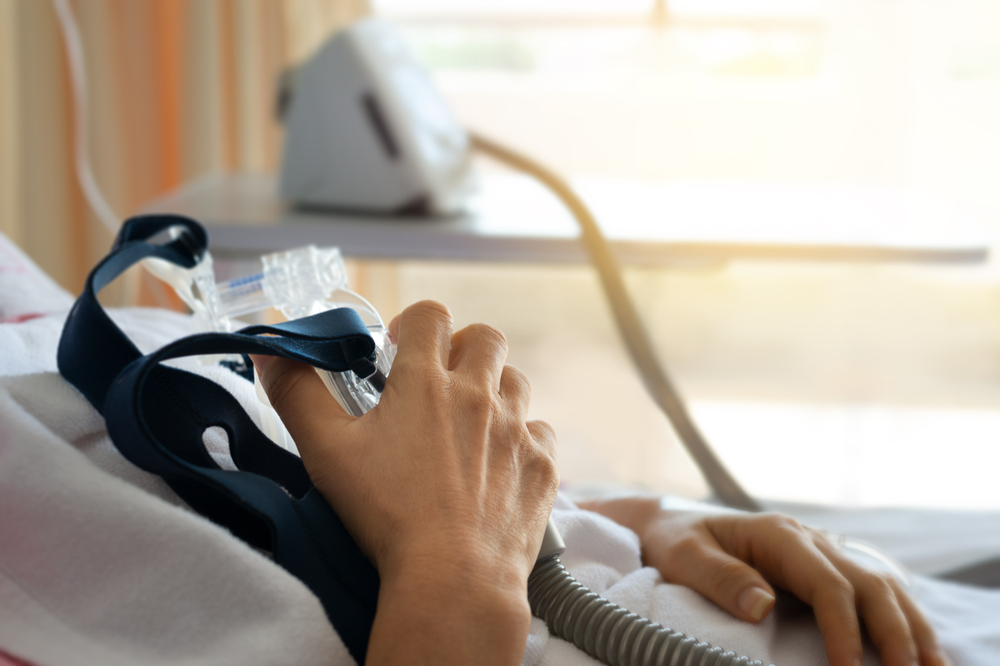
x: 101, y: 562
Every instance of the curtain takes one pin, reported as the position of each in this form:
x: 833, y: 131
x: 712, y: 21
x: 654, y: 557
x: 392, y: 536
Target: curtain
x: 176, y: 89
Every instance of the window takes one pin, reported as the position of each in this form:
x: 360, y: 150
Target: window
x: 850, y: 376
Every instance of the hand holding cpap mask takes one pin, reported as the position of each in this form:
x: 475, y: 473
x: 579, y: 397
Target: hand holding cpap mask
x: 309, y: 280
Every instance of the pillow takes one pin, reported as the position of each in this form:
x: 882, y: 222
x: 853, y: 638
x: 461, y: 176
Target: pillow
x: 25, y: 290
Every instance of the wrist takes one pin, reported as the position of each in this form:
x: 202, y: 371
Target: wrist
x: 455, y: 556
x: 635, y: 513
x: 452, y: 610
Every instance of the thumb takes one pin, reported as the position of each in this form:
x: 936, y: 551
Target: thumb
x: 300, y: 398
x: 729, y: 582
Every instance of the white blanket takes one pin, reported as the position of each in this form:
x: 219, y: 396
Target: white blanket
x: 100, y: 563
x: 605, y: 557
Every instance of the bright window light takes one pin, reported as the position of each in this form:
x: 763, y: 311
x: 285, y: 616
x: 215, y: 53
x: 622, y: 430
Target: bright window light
x: 863, y: 384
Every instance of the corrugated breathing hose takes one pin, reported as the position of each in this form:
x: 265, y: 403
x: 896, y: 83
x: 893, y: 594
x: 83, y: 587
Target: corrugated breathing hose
x: 611, y: 633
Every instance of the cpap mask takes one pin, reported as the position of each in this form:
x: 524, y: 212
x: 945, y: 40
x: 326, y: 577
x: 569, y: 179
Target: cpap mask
x: 298, y: 283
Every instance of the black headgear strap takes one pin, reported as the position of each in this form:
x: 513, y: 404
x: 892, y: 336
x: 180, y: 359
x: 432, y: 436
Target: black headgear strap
x: 157, y: 415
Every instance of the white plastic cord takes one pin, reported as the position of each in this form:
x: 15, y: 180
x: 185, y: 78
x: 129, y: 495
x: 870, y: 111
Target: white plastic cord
x: 78, y: 78
x: 81, y: 147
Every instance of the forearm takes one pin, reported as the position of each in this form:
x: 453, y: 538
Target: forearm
x: 447, y: 614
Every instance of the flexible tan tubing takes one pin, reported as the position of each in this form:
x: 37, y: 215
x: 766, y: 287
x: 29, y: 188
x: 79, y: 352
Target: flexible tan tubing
x: 629, y: 325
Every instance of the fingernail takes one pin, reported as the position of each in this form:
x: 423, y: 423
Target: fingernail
x: 754, y: 601
x: 856, y: 661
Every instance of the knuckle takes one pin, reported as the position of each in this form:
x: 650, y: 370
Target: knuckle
x: 726, y: 574
x: 426, y: 317
x: 546, y: 468
x: 541, y: 431
x: 686, y: 548
x: 417, y: 369
x: 489, y: 334
x: 823, y: 540
x: 838, y: 587
x: 516, y: 382
x: 434, y: 309
x: 537, y: 461
x: 782, y: 522
x: 478, y: 405
x: 874, y: 583
x: 479, y: 400
x: 787, y: 530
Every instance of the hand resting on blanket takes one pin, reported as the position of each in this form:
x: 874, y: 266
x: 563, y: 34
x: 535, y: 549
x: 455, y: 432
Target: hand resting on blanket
x: 447, y: 487
x: 733, y: 559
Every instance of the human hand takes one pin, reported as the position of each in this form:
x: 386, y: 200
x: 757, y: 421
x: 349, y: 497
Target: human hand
x: 444, y: 484
x: 733, y: 559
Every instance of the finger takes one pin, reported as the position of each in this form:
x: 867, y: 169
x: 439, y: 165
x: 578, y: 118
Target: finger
x: 479, y: 352
x: 423, y: 336
x: 924, y: 636
x: 878, y: 604
x: 785, y: 554
x: 699, y: 562
x: 884, y: 619
x: 833, y: 600
x: 515, y: 389
x: 544, y: 434
x: 300, y: 398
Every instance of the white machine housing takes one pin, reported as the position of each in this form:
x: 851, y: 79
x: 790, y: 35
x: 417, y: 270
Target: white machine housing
x: 366, y: 130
